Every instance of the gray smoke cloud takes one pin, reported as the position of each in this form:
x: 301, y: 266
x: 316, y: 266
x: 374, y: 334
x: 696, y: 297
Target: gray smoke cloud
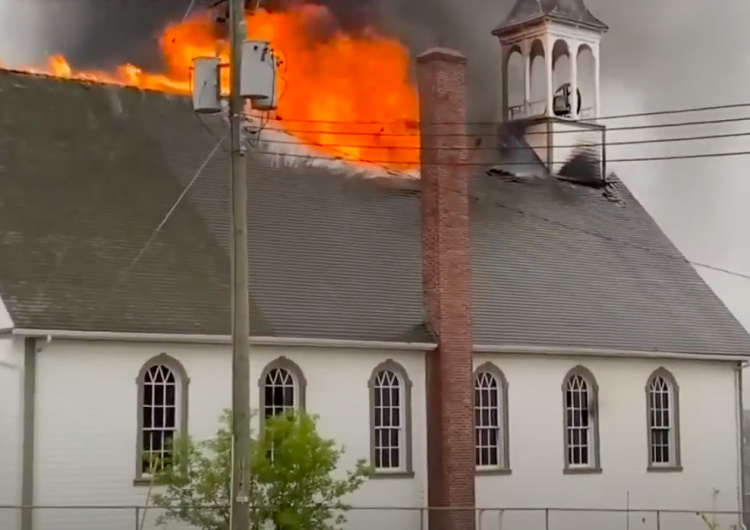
x: 33, y: 29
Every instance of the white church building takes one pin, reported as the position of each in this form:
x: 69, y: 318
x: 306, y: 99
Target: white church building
x: 548, y: 358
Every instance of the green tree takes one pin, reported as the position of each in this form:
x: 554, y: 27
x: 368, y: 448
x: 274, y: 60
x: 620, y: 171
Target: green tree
x: 296, y: 483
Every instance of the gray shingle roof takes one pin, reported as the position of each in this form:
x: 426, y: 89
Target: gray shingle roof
x: 564, y: 11
x: 88, y: 172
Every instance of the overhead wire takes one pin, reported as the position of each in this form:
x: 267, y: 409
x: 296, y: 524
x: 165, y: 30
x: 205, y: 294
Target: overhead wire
x: 492, y: 164
x: 522, y: 148
x: 684, y: 110
x: 188, y: 10
x: 347, y: 158
x: 172, y: 209
x: 677, y: 256
x: 391, y: 148
x: 566, y: 131
x: 504, y: 206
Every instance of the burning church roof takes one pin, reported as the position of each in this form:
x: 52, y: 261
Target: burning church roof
x: 348, y: 96
x: 88, y: 172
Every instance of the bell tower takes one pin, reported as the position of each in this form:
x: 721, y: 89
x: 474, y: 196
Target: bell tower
x: 546, y: 31
x: 547, y: 100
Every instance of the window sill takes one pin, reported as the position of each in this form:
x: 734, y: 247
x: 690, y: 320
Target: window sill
x: 381, y: 475
x: 664, y: 469
x: 582, y: 471
x: 485, y: 471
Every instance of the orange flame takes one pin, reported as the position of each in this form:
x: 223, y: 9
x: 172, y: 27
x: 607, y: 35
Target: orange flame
x: 346, y: 96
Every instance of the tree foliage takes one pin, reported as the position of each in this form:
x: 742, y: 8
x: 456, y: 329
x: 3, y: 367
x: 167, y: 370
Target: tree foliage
x: 295, y: 484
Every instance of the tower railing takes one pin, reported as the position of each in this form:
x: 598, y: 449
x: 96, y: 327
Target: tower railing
x: 527, y: 109
x: 533, y: 109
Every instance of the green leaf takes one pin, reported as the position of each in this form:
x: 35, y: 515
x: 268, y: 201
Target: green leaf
x: 294, y: 483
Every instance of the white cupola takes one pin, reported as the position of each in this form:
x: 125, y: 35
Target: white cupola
x: 540, y: 33
x: 550, y: 90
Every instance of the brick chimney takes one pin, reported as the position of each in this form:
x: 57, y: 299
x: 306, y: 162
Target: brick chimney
x: 447, y: 288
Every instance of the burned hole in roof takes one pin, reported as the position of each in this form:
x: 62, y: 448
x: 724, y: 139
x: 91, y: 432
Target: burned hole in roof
x: 583, y: 168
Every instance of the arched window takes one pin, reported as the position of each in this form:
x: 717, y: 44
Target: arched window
x: 662, y: 400
x: 581, y: 442
x: 491, y: 419
x: 162, y: 411
x: 390, y: 420
x: 282, y: 388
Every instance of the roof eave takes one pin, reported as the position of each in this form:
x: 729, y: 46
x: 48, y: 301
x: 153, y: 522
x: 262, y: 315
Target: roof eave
x: 524, y: 349
x: 506, y: 27
x: 567, y: 351
x: 52, y: 334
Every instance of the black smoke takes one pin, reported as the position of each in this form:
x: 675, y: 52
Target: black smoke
x: 422, y: 24
x: 117, y: 31
x: 654, y: 51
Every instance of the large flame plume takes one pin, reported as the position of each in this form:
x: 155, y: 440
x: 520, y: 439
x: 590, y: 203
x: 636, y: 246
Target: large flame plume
x: 347, y: 96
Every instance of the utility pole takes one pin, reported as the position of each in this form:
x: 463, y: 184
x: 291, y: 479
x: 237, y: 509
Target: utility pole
x: 240, y: 510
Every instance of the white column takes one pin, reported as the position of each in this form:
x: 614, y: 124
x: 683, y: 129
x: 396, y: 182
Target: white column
x: 573, y: 53
x: 548, y: 48
x: 597, y: 94
x: 527, y: 79
x: 504, y: 85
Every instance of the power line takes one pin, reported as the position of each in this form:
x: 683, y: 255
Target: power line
x: 679, y: 256
x: 171, y: 210
x: 347, y: 158
x: 188, y: 10
x: 568, y: 131
x: 685, y: 110
x: 521, y: 148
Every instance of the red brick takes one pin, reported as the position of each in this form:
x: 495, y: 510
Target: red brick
x: 441, y: 77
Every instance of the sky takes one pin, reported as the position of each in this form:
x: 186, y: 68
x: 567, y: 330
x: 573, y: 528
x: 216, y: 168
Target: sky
x: 660, y: 55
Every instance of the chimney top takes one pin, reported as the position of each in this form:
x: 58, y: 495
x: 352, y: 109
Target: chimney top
x: 441, y: 54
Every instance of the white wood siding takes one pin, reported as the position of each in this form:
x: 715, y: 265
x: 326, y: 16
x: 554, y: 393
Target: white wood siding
x: 11, y: 429
x: 86, y: 435
x: 86, y: 413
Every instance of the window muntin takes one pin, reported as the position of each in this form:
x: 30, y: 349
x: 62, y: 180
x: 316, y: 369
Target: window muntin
x: 162, y: 411
x: 662, y: 409
x: 488, y: 421
x: 159, y: 416
x: 388, y: 421
x: 580, y: 419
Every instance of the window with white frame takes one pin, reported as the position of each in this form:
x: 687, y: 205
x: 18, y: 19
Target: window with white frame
x: 490, y: 418
x: 390, y: 402
x: 663, y: 435
x: 280, y: 392
x: 282, y: 389
x: 162, y: 412
x: 580, y: 396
